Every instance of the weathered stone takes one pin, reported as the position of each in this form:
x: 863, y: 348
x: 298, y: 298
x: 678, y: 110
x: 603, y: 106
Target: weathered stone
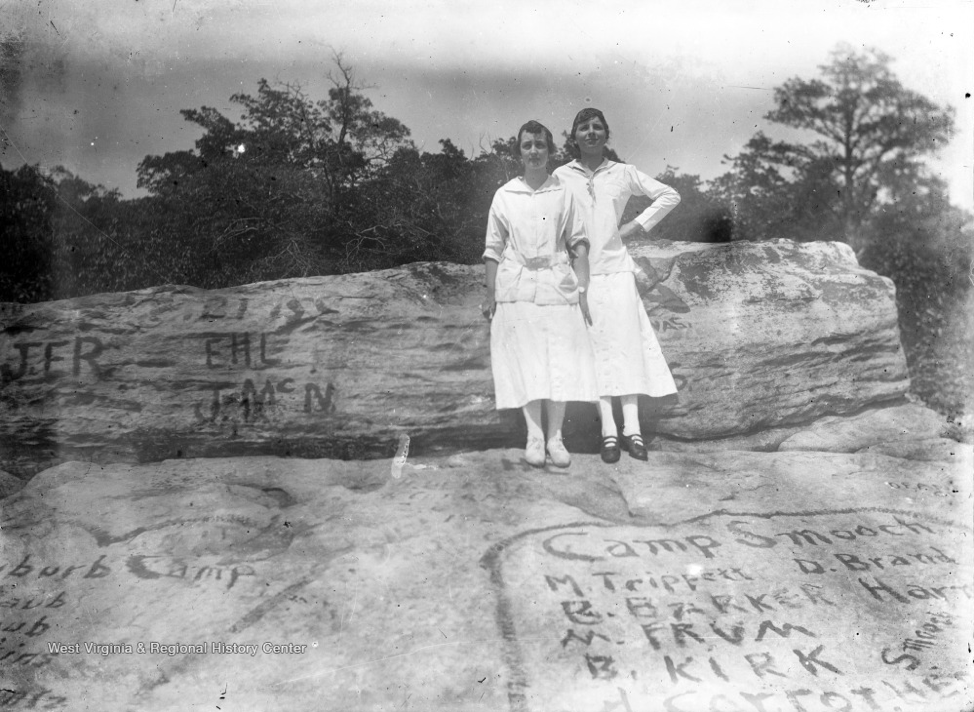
x: 9, y: 484
x: 762, y: 441
x: 339, y: 366
x: 852, y: 433
x: 718, y: 479
x: 759, y: 336
x: 929, y: 449
x: 771, y: 334
x: 907, y: 431
x: 477, y: 583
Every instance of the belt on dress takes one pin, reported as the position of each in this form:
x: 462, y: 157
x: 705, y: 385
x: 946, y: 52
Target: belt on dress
x: 543, y: 262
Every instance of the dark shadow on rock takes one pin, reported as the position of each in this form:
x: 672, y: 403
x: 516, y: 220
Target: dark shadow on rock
x: 31, y: 449
x: 583, y: 425
x: 717, y: 226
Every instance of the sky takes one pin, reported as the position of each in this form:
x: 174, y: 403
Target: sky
x: 96, y: 86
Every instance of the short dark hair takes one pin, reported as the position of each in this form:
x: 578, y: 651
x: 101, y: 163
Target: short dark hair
x: 533, y: 127
x: 586, y: 114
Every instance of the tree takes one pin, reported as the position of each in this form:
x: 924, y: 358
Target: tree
x: 927, y: 249
x: 63, y: 237
x: 278, y: 193
x: 419, y: 207
x: 870, y: 136
x: 96, y: 243
x: 26, y: 222
x: 766, y: 203
x: 862, y: 178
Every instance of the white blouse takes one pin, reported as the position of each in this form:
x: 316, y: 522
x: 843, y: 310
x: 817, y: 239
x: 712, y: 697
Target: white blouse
x: 529, y: 234
x: 601, y: 196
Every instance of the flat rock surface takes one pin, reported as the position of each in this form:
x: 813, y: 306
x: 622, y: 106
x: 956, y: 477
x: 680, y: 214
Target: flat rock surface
x: 867, y: 429
x: 758, y: 335
x: 697, y: 581
x: 9, y: 484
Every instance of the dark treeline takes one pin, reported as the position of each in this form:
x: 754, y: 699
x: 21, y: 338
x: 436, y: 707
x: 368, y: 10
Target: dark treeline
x: 298, y: 187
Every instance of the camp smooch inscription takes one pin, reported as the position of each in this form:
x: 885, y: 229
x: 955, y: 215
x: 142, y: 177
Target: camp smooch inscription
x: 737, y: 614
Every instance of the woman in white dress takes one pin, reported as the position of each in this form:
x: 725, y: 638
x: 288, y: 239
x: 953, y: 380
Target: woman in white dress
x: 536, y: 301
x: 628, y: 359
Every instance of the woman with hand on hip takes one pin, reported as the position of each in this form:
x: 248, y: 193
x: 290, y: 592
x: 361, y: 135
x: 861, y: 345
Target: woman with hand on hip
x: 536, y: 301
x: 628, y: 359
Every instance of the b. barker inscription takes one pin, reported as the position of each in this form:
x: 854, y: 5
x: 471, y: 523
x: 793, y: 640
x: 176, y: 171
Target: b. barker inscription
x: 740, y: 614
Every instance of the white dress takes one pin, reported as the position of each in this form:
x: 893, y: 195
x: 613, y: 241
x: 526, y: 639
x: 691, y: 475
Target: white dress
x: 539, y: 346
x: 628, y: 358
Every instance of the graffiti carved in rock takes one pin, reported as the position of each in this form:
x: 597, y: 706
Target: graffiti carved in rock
x: 736, y: 613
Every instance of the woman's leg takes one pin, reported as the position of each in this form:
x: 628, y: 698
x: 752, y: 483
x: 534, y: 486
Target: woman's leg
x: 631, y: 437
x: 608, y: 420
x: 610, y: 451
x: 630, y: 414
x: 532, y: 417
x: 556, y: 448
x: 534, y: 452
x: 556, y: 416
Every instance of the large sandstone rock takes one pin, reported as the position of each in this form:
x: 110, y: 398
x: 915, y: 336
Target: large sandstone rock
x: 759, y: 336
x: 902, y: 429
x: 711, y: 581
x: 869, y: 429
x: 762, y: 335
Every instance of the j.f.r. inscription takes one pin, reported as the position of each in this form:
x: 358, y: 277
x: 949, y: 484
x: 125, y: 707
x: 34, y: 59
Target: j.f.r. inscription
x: 822, y: 612
x: 77, y: 357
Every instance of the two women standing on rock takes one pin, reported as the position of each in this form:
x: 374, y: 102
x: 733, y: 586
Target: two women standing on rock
x: 559, y: 334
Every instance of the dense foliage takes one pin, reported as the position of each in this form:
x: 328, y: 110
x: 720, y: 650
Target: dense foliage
x: 299, y: 187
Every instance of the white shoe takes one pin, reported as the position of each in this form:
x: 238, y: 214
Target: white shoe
x: 534, y: 452
x: 559, y: 455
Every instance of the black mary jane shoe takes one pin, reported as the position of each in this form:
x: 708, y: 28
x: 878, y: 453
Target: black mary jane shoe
x: 610, y: 449
x: 634, y: 445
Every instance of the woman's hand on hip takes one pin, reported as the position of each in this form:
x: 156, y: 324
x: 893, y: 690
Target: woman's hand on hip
x: 631, y: 229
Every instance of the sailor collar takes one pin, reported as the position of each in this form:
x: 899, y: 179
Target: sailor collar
x: 519, y: 185
x: 578, y: 166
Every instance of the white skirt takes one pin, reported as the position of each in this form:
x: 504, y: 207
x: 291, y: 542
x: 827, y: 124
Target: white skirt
x: 628, y: 358
x: 540, y: 352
